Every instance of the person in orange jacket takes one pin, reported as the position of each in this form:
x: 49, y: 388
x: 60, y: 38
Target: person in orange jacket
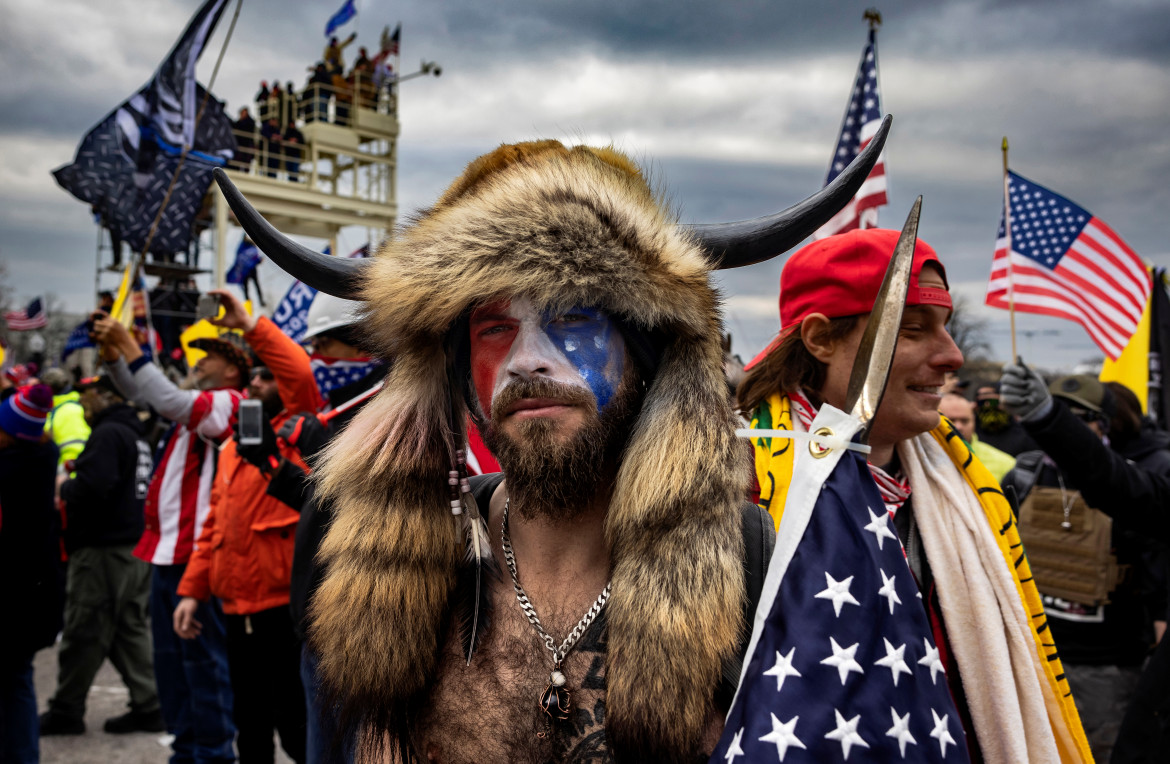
x: 244, y: 554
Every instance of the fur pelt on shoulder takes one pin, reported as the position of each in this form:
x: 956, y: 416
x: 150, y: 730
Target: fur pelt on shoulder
x: 562, y: 227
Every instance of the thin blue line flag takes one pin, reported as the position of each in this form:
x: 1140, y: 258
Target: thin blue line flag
x: 125, y: 164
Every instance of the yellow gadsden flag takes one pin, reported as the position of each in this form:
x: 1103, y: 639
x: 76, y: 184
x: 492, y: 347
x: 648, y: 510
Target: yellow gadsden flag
x: 1132, y: 367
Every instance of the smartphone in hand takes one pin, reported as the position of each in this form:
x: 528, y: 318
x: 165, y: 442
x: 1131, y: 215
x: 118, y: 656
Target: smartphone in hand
x: 250, y: 422
x: 207, y: 307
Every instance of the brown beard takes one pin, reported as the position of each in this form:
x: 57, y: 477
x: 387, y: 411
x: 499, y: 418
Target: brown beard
x: 551, y: 479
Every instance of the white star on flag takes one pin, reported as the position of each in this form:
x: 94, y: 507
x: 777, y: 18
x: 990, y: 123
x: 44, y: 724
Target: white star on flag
x: 901, y: 731
x: 879, y: 526
x: 940, y: 732
x: 888, y: 591
x: 842, y: 659
x: 846, y: 722
x: 894, y: 660
x: 783, y: 669
x: 838, y: 592
x: 846, y: 734
x: 932, y: 661
x: 734, y: 749
x: 783, y: 735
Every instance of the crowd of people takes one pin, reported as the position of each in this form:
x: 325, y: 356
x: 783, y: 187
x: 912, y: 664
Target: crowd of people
x: 342, y: 581
x: 330, y: 93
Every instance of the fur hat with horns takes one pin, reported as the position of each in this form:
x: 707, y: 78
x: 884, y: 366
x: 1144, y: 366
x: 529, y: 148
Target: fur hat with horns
x: 560, y: 226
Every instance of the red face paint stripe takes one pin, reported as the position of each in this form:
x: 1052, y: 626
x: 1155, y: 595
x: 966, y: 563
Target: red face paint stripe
x: 489, y: 349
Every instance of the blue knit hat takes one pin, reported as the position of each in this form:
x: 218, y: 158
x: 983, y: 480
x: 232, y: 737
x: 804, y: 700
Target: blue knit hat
x: 23, y: 414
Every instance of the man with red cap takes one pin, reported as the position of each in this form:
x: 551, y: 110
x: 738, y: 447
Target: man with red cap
x: 942, y: 505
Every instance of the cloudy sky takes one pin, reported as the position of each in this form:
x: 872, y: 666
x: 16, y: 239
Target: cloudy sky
x: 735, y: 106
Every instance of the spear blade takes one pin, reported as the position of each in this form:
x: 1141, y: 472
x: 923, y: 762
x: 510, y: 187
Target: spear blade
x: 875, y: 353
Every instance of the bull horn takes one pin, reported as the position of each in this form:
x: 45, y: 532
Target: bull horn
x: 338, y: 276
x: 746, y: 242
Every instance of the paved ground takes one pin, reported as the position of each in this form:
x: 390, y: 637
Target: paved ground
x: 108, y: 697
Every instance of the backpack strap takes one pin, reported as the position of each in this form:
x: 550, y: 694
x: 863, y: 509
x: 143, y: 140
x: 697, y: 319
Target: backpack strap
x: 483, y: 486
x: 759, y: 540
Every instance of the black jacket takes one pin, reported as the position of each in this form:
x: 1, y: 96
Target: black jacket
x: 32, y: 580
x: 103, y: 501
x: 1107, y: 480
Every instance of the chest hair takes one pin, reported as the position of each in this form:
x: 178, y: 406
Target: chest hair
x: 489, y: 712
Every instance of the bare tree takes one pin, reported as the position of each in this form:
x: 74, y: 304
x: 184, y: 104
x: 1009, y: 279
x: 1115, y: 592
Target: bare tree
x: 968, y: 331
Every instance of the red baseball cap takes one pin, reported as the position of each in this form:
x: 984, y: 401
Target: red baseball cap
x: 840, y: 276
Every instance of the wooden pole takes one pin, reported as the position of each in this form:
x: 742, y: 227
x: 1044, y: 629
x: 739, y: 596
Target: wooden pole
x: 1007, y: 230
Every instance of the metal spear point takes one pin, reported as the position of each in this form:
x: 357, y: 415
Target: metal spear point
x: 875, y: 353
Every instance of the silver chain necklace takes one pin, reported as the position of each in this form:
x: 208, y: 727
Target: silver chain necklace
x: 555, y: 700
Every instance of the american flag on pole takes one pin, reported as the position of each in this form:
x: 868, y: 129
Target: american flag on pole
x: 1067, y: 263
x: 32, y: 317
x: 842, y: 661
x: 863, y: 117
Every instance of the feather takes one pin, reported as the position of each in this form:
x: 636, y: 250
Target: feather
x: 473, y: 602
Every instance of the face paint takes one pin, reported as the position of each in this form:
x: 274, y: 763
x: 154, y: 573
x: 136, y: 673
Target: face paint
x: 586, y: 337
x: 580, y: 347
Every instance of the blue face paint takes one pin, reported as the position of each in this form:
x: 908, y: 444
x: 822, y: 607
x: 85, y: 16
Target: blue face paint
x: 592, y: 343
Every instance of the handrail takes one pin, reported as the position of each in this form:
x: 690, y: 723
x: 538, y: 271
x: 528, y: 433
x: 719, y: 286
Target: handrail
x: 268, y: 155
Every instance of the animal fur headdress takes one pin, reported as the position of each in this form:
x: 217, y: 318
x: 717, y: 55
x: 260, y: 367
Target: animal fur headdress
x: 560, y: 226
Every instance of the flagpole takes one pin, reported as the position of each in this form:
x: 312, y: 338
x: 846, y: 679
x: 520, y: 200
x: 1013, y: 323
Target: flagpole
x: 140, y: 258
x: 186, y: 149
x: 1007, y: 229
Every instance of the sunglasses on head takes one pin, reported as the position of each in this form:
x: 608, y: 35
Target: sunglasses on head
x: 264, y: 373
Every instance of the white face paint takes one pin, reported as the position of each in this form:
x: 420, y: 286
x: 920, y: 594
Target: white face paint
x: 513, y: 341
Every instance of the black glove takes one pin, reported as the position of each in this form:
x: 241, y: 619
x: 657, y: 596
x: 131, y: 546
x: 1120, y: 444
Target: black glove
x: 305, y: 433
x: 265, y: 455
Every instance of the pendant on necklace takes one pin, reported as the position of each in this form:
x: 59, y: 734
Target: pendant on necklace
x: 555, y: 700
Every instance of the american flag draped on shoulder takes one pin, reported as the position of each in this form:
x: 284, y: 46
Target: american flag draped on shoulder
x: 32, y: 317
x: 841, y: 661
x: 1067, y: 263
x: 125, y: 163
x: 863, y: 117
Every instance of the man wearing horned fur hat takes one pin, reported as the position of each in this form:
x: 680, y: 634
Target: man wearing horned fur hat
x: 548, y: 294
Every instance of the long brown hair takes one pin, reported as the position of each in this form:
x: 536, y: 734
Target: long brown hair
x: 789, y: 366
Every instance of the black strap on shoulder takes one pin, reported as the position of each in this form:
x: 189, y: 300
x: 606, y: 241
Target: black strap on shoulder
x: 759, y: 540
x: 483, y: 486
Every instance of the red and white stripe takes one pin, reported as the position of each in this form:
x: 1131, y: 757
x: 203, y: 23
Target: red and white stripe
x: 19, y: 321
x: 1100, y: 283
x: 861, y: 211
x: 180, y: 492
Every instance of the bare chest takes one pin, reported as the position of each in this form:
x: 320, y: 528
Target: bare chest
x: 489, y: 711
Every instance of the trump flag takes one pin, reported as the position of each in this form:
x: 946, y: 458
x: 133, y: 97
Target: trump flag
x: 842, y: 662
